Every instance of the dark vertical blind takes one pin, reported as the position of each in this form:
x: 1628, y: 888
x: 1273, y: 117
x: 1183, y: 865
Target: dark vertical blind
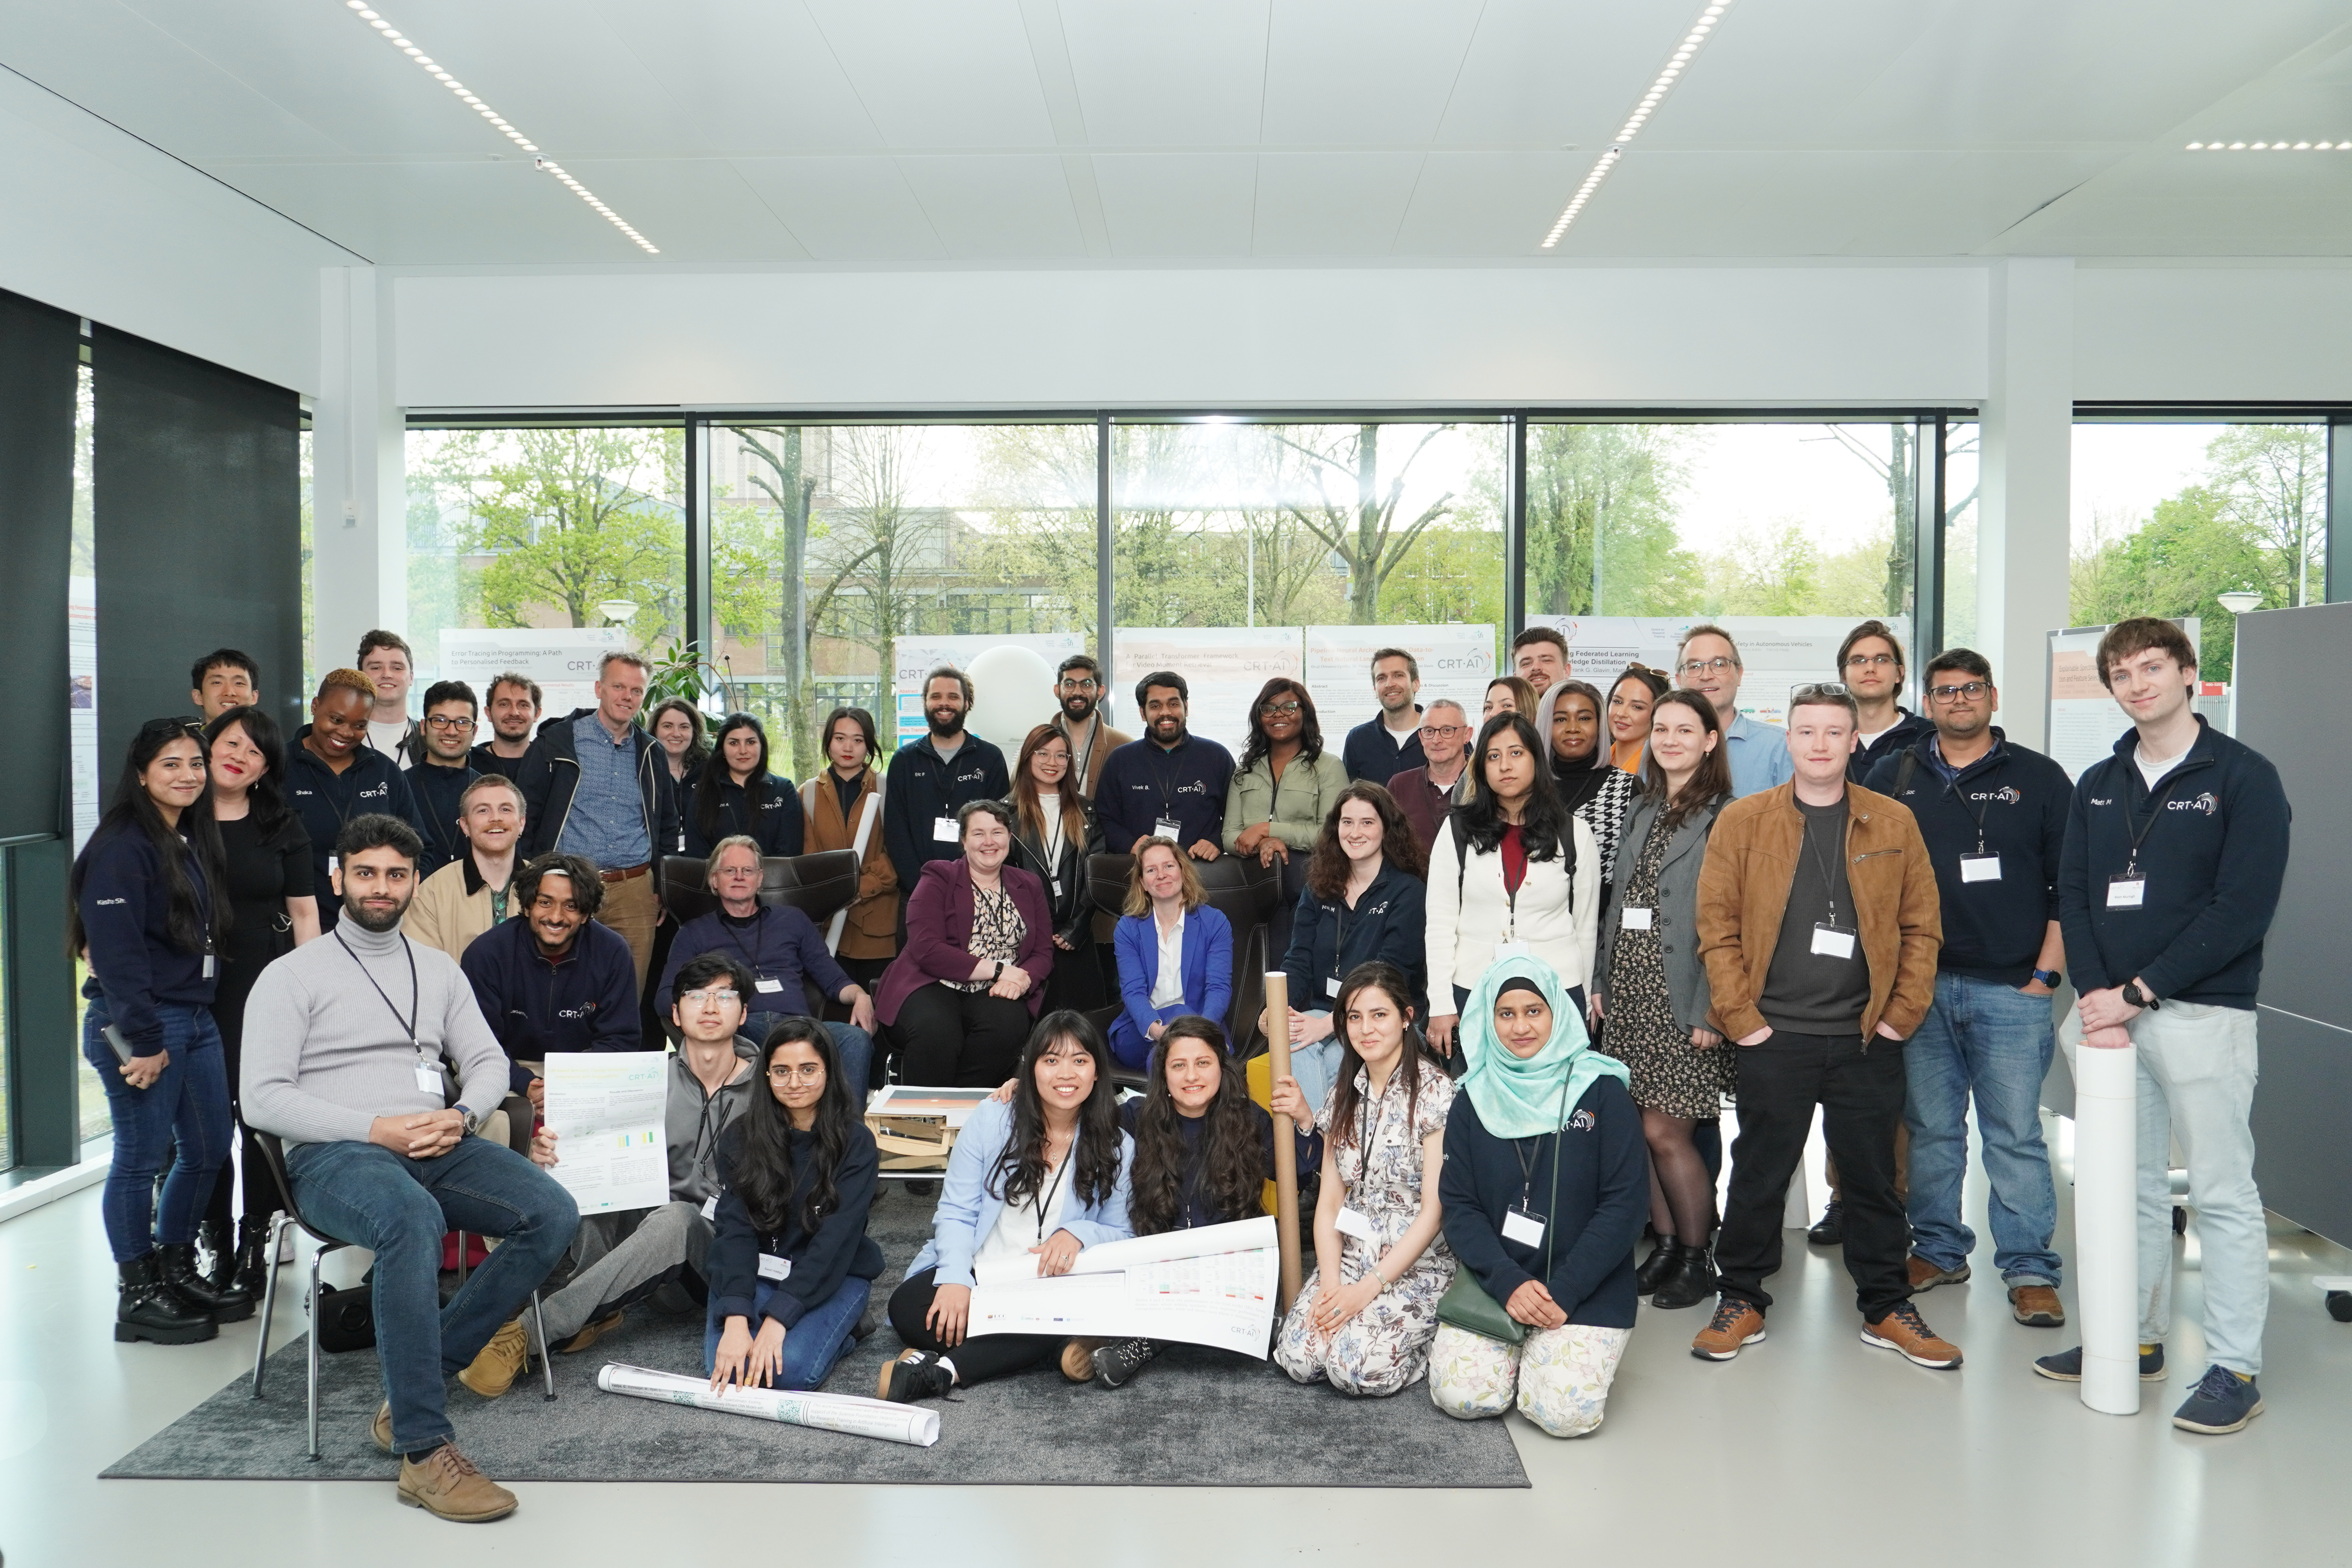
x: 196, y: 478
x: 40, y: 351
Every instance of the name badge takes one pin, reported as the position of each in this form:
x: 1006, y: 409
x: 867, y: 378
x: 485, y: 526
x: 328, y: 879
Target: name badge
x: 1832, y: 942
x: 2128, y: 892
x: 1980, y: 868
x: 208, y: 966
x: 1523, y: 1227
x: 1512, y: 950
x: 774, y: 1268
x: 1354, y: 1224
x: 1330, y: 985
x: 1167, y: 829
x: 943, y: 830
x: 1632, y: 918
x: 767, y: 982
x: 1057, y: 886
x: 428, y: 1077
x: 711, y: 1206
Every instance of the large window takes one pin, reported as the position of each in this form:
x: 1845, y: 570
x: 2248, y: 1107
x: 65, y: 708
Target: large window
x: 1961, y: 486
x: 90, y: 783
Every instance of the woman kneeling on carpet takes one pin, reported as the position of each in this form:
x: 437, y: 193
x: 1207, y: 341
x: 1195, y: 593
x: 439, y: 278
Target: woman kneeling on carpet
x: 1364, y: 1318
x: 1043, y: 1177
x: 1547, y: 1180
x: 791, y: 1264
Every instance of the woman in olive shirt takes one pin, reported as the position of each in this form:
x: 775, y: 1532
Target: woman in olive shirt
x: 1286, y: 784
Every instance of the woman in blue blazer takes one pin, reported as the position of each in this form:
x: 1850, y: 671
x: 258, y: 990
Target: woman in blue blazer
x: 1167, y: 909
x: 1040, y: 1178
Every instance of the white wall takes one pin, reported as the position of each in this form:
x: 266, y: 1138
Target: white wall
x: 2224, y: 333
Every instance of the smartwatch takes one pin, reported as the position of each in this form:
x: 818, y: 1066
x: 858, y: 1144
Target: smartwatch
x: 2049, y: 977
x: 2137, y: 997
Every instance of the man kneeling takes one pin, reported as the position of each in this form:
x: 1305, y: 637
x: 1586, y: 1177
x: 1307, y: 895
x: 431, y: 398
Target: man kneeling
x: 344, y: 1061
x: 619, y: 1260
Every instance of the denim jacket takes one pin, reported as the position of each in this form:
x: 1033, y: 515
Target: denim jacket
x: 968, y: 1210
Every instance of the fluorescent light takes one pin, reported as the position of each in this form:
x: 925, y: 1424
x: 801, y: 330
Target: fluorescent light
x: 1664, y: 83
x: 2269, y: 147
x: 433, y: 68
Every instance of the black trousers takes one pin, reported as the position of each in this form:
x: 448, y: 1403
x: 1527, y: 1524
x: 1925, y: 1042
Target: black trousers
x: 976, y: 1361
x: 960, y: 1038
x: 1858, y: 1084
x: 247, y: 1176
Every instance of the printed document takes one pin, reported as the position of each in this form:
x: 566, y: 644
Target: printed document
x: 605, y: 1108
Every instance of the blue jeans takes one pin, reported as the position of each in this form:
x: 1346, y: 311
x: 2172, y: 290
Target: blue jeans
x: 853, y: 1045
x: 810, y: 1345
x: 186, y: 1109
x: 1991, y: 1042
x: 400, y: 1208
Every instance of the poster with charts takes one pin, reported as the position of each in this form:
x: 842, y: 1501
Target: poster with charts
x: 1777, y: 653
x: 606, y: 1109
x: 562, y: 660
x: 1223, y: 666
x: 1213, y: 1285
x: 1455, y: 662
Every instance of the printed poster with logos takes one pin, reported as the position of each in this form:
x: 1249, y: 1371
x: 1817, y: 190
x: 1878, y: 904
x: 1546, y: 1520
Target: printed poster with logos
x: 912, y: 656
x: 1223, y: 665
x: 2082, y: 721
x: 562, y: 660
x: 1455, y: 662
x: 1777, y: 653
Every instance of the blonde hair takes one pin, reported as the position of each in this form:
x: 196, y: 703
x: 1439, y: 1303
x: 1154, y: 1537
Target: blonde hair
x: 1139, y: 902
x: 345, y: 681
x: 719, y: 850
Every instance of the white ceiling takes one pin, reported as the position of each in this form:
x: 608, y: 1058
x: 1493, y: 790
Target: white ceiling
x: 874, y: 132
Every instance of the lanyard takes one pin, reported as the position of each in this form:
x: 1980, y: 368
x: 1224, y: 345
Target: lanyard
x: 1951, y: 777
x: 1044, y: 1200
x: 1528, y: 1158
x: 1829, y: 872
x: 2155, y: 811
x: 734, y: 936
x: 416, y: 993
x: 1165, y: 778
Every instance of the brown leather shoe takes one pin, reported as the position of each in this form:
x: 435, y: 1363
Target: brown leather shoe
x: 590, y: 1334
x: 1078, y: 1359
x: 2037, y: 1306
x: 381, y: 1427
x: 446, y: 1485
x: 494, y: 1370
x: 1904, y: 1333
x: 1925, y: 1275
x: 1735, y: 1326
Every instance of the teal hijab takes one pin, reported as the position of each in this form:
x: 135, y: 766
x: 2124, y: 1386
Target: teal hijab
x: 1531, y: 1097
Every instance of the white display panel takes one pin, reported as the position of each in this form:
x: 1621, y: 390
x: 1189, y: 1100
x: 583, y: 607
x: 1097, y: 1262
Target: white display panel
x: 1456, y: 661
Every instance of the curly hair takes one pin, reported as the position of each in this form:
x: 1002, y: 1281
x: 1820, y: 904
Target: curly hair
x: 1327, y: 867
x: 1310, y: 730
x: 587, y: 883
x: 1228, y: 1166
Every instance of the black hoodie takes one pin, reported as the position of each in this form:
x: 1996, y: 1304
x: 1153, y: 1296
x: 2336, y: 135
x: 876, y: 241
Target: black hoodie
x: 325, y: 800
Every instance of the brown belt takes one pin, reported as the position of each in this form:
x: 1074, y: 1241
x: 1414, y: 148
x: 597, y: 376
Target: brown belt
x: 627, y: 873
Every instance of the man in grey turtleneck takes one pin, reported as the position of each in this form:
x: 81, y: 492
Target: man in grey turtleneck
x: 352, y: 1039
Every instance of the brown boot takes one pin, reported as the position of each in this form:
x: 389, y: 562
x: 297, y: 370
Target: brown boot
x: 2037, y: 1306
x: 448, y: 1486
x: 1078, y: 1359
x: 381, y: 1427
x: 1904, y: 1333
x: 501, y: 1361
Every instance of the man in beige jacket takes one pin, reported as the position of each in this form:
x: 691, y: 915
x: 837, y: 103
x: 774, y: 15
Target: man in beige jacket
x: 468, y: 895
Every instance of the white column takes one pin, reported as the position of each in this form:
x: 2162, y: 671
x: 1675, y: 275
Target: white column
x: 359, y: 559
x: 2028, y: 446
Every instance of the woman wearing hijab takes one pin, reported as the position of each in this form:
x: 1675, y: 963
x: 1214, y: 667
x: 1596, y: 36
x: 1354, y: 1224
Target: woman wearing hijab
x: 1591, y: 788
x: 1545, y: 1185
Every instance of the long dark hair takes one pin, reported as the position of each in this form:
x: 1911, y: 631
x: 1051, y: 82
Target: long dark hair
x: 1559, y: 692
x: 1478, y: 821
x: 1030, y: 808
x: 865, y: 722
x: 1310, y: 730
x: 267, y: 797
x: 1711, y: 782
x: 761, y: 1168
x: 1388, y: 979
x: 132, y: 810
x: 1020, y: 1173
x: 1327, y: 870
x: 717, y: 772
x: 1232, y: 1170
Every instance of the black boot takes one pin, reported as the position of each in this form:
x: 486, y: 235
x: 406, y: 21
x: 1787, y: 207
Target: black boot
x: 1693, y: 1280
x: 179, y: 1265
x: 150, y: 1310
x: 216, y: 1258
x: 1655, y: 1266
x: 1830, y: 1229
x: 253, y: 1261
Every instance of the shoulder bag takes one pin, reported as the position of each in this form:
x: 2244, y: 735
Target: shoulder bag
x: 1467, y: 1304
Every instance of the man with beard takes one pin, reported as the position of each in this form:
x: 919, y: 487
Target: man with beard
x: 348, y: 1042
x: 441, y: 774
x: 1078, y: 688
x: 515, y: 702
x: 1170, y: 785
x: 934, y: 775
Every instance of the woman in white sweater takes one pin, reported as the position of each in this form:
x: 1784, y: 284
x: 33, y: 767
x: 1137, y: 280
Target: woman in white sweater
x: 1530, y: 882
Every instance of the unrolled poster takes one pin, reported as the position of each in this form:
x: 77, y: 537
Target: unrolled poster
x: 1777, y: 653
x: 607, y: 1108
x: 1456, y: 661
x: 1213, y: 1285
x: 562, y: 660
x: 913, y: 657
x: 1223, y: 666
x: 82, y: 703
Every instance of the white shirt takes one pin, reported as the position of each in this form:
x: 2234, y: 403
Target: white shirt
x: 1169, y: 988
x: 2152, y: 770
x: 1403, y: 737
x: 1870, y: 740
x: 1019, y: 1227
x: 386, y: 738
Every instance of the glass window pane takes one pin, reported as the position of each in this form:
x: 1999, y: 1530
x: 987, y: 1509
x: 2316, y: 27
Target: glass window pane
x: 82, y: 620
x: 1960, y: 486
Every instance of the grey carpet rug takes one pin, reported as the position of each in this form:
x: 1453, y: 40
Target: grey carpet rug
x: 1195, y: 1417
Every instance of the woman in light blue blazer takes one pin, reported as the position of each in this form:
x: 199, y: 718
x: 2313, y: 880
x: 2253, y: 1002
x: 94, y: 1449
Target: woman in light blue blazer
x: 1030, y: 1184
x: 1168, y: 914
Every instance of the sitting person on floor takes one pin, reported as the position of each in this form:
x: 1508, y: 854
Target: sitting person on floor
x: 1546, y: 1182
x: 1175, y: 952
x: 793, y: 1266
x: 780, y: 944
x: 620, y: 1259
x: 1043, y: 1177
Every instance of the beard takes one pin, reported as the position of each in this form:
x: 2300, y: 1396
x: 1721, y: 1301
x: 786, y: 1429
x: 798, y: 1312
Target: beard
x: 1078, y: 707
x: 951, y: 725
x: 369, y: 921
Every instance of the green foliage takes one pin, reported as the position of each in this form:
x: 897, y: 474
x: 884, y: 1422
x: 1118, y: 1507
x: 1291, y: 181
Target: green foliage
x: 1615, y: 484
x: 678, y: 669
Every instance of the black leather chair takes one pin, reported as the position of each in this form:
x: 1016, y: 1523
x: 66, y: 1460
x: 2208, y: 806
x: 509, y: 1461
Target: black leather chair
x: 819, y: 886
x: 1239, y: 888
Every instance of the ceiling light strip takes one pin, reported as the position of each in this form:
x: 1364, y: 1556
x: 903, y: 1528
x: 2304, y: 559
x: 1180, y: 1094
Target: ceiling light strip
x: 1676, y: 65
x: 2270, y: 147
x: 432, y: 67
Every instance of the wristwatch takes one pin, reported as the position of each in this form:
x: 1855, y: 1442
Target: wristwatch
x: 474, y: 1119
x: 2049, y: 977
x: 2137, y: 997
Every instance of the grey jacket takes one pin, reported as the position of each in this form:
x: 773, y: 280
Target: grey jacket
x: 1677, y: 917
x: 692, y: 1123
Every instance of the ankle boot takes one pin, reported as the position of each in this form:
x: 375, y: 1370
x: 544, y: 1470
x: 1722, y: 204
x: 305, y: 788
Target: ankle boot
x: 179, y: 1269
x: 1655, y: 1266
x: 1692, y: 1280
x: 216, y: 1257
x: 253, y: 1263
x: 150, y: 1310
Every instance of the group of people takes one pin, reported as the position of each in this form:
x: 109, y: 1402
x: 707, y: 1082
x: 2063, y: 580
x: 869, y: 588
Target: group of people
x: 1528, y: 962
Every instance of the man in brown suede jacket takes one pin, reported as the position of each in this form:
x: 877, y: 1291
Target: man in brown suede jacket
x: 1818, y: 923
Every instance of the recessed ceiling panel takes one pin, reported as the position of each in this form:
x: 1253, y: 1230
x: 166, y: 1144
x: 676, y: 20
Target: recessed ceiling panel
x: 1184, y: 203
x: 1332, y: 204
x: 998, y: 207
x: 936, y: 74
x: 846, y: 209
x: 1548, y: 73
x: 1363, y: 73
x: 1177, y: 74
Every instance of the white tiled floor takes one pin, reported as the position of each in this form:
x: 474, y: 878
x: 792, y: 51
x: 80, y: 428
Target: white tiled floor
x: 1808, y: 1449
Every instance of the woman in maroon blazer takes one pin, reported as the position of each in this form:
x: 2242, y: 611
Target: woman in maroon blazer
x: 960, y: 998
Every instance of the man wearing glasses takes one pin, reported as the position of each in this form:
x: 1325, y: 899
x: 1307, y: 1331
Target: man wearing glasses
x: 1708, y: 663
x: 1079, y: 689
x: 1427, y: 793
x: 1390, y: 740
x: 1994, y: 817
x: 1869, y: 662
x: 620, y: 1259
x: 439, y: 779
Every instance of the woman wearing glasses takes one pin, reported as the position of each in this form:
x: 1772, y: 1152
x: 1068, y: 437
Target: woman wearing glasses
x: 1285, y: 788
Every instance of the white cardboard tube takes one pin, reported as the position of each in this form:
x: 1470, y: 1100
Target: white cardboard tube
x: 2106, y: 1246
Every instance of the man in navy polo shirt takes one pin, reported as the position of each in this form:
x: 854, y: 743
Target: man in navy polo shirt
x: 1170, y: 783
x: 932, y: 776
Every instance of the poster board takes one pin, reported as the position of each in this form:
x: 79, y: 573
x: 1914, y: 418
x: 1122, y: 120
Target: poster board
x: 562, y: 660
x: 2081, y: 720
x: 1223, y: 666
x: 1777, y: 653
x: 1456, y: 661
x: 911, y: 657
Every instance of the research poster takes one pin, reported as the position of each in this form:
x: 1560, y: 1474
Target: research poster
x: 607, y: 1108
x: 562, y: 660
x: 912, y: 658
x: 2081, y: 720
x: 1777, y: 653
x: 1223, y: 666
x: 1455, y: 662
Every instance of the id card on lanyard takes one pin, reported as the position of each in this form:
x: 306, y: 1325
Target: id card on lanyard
x: 2128, y: 889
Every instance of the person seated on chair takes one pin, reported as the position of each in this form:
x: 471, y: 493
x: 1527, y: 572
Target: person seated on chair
x: 792, y: 1265
x: 473, y: 892
x: 780, y: 944
x: 1175, y: 952
x: 736, y: 795
x: 979, y: 944
x: 557, y: 979
x: 1550, y: 1242
x: 1362, y: 902
x: 620, y: 1259
x: 1042, y: 1176
x: 345, y: 1041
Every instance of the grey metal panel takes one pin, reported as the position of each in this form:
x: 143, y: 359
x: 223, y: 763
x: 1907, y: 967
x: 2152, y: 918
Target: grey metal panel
x: 2303, y: 1162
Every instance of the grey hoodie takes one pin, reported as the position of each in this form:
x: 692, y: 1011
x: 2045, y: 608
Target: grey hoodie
x: 693, y: 1123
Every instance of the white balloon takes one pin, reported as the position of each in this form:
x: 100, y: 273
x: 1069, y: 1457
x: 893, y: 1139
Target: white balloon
x: 1012, y: 693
